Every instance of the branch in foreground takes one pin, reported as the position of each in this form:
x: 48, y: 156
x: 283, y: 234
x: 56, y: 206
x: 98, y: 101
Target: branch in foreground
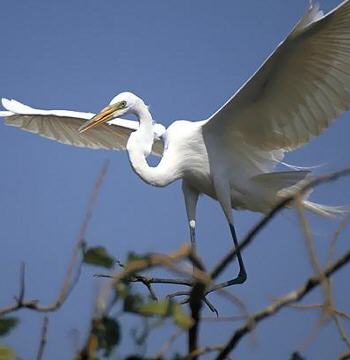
x: 344, y: 356
x: 284, y: 301
x: 195, y: 302
x: 74, y: 267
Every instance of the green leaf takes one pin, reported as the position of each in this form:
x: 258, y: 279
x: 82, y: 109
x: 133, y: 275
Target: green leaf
x: 107, y: 332
x: 132, y: 256
x: 165, y: 308
x: 296, y: 356
x: 181, y: 319
x: 7, y: 324
x: 133, y: 302
x: 98, y: 256
x: 6, y: 353
x: 122, y: 289
x: 160, y: 308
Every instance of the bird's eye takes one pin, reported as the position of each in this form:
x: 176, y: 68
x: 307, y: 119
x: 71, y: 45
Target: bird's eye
x: 123, y: 104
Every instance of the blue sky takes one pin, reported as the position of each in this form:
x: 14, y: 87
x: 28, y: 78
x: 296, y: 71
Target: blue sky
x: 184, y: 58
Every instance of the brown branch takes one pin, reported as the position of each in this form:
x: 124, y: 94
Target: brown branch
x: 342, y: 331
x: 204, y: 351
x: 195, y: 302
x: 221, y: 265
x: 151, y: 279
x: 70, y: 280
x: 328, y: 308
x: 337, y: 312
x: 167, y: 261
x: 335, y: 237
x: 167, y: 345
x: 43, y: 338
x: 344, y: 356
x: 282, y: 302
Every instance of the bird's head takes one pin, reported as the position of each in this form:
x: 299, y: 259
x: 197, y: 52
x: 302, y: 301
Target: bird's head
x: 125, y: 102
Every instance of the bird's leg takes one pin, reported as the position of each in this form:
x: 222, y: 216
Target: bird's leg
x: 191, y: 198
x: 223, y: 194
x: 242, y: 275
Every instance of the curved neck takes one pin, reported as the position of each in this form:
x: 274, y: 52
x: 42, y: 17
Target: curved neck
x: 139, y: 146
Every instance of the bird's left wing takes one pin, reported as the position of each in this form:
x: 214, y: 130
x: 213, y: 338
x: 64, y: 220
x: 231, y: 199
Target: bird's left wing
x: 300, y: 89
x: 63, y: 125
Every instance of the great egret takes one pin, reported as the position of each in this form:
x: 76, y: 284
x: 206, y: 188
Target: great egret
x: 301, y: 88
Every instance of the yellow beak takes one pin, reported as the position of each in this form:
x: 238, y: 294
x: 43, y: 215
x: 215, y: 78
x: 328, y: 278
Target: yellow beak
x: 103, y: 116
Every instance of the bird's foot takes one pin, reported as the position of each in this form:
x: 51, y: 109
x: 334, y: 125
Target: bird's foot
x: 211, y: 307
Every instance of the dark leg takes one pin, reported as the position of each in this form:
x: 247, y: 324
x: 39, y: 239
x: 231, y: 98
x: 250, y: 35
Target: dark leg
x: 242, y: 275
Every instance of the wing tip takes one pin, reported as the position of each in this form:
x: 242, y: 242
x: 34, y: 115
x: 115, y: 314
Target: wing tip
x: 313, y: 13
x: 6, y: 103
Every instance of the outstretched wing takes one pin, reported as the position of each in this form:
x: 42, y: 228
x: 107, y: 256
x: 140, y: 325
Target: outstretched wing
x: 63, y: 125
x: 301, y: 88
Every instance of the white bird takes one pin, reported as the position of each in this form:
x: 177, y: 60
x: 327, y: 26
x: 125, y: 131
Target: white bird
x: 300, y: 89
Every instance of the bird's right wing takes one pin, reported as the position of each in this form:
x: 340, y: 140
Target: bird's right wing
x: 300, y: 89
x: 63, y: 125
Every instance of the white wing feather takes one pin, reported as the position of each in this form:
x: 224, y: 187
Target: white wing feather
x: 63, y: 125
x: 301, y: 88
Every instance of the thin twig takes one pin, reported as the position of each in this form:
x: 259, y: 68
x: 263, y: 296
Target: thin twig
x: 203, y: 351
x: 151, y: 279
x: 335, y: 237
x: 167, y: 345
x: 342, y: 331
x: 70, y: 280
x: 43, y: 338
x: 311, y: 251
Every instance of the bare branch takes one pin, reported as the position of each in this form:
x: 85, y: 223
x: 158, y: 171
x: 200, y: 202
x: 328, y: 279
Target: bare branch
x: 43, y: 338
x: 204, y: 351
x: 167, y: 261
x: 335, y: 237
x: 151, y: 279
x: 167, y: 345
x: 342, y: 331
x: 70, y: 280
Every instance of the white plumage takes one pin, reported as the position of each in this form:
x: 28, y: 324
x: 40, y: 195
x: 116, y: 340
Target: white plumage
x: 300, y: 89
x: 63, y: 125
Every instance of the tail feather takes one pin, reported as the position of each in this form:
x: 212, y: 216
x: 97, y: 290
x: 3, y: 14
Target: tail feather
x: 326, y: 210
x: 286, y: 183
